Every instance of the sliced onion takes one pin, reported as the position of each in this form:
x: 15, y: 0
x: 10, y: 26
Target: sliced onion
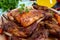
x: 8, y: 34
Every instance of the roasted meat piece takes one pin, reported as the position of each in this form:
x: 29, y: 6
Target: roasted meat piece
x: 54, y: 29
x: 13, y: 29
x: 19, y: 31
x: 40, y: 33
x: 29, y: 18
x: 26, y: 19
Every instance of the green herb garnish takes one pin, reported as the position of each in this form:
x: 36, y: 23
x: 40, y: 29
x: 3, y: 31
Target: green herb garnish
x: 6, y: 5
x: 22, y: 5
x: 23, y: 8
x: 26, y: 10
x: 20, y: 0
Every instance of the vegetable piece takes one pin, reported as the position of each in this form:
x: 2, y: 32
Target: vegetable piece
x: 20, y: 0
x: 26, y: 10
x: 23, y: 8
x: 57, y: 16
x: 6, y: 5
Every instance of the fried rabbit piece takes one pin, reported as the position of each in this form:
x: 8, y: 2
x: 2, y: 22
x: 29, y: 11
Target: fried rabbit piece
x: 27, y: 31
x: 54, y: 29
x: 19, y: 31
x: 16, y: 30
x: 11, y: 14
x: 40, y: 33
x: 26, y: 19
x: 29, y: 18
x: 13, y: 29
x: 57, y: 16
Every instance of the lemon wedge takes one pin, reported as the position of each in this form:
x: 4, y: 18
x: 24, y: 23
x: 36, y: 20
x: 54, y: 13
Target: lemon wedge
x: 48, y: 3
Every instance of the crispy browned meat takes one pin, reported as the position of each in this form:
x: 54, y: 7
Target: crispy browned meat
x: 26, y: 19
x: 54, y: 29
x: 34, y: 31
x: 39, y: 33
x: 29, y: 18
x: 19, y: 31
x: 12, y: 28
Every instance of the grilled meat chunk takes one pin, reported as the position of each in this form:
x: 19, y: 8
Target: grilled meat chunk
x: 26, y: 19
x: 12, y: 28
x: 19, y: 31
x: 54, y: 29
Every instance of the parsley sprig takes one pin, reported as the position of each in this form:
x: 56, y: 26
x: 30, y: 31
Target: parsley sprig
x: 6, y: 5
x: 23, y: 8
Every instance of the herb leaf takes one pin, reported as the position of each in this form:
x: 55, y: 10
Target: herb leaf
x: 21, y: 8
x: 20, y: 0
x: 6, y: 5
x: 26, y: 10
x: 22, y: 5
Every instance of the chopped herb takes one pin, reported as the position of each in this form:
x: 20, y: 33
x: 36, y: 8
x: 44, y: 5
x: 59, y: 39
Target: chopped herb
x: 21, y: 8
x: 6, y: 5
x: 22, y: 5
x: 20, y: 0
x: 26, y: 10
